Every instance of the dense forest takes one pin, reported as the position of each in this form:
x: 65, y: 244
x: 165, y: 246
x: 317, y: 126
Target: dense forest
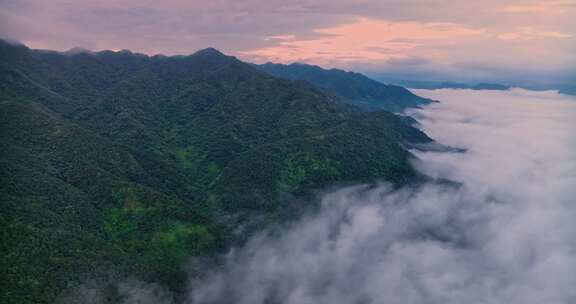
x: 117, y: 164
x: 350, y: 87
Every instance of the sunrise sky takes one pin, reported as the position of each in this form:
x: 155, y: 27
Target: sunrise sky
x: 490, y: 40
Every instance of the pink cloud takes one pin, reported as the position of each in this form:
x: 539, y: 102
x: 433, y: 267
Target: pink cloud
x: 364, y: 39
x: 549, y: 7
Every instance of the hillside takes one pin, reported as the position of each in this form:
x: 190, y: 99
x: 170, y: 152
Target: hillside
x: 352, y: 88
x: 117, y: 164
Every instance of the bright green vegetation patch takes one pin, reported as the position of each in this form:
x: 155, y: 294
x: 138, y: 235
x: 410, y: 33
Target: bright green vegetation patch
x: 146, y: 235
x: 180, y: 240
x: 189, y: 159
x: 152, y: 236
x: 201, y: 170
x: 298, y: 167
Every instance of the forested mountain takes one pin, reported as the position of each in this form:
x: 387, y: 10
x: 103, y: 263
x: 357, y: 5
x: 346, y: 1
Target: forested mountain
x: 117, y: 164
x: 353, y: 88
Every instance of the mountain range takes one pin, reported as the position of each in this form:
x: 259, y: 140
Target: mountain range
x: 118, y: 164
x: 433, y: 85
x: 352, y: 88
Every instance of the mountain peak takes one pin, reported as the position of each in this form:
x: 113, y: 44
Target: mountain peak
x: 210, y: 51
x: 10, y: 42
x: 12, y: 49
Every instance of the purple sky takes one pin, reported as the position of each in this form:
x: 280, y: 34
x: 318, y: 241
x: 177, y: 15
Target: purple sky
x: 456, y: 39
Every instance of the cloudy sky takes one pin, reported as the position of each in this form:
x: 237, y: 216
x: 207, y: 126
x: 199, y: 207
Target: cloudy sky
x: 525, y: 40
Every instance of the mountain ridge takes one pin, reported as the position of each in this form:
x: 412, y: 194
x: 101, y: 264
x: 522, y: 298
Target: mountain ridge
x: 117, y: 164
x: 353, y: 88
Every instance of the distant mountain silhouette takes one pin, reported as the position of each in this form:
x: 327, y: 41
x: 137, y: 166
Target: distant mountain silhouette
x: 432, y: 85
x: 353, y: 88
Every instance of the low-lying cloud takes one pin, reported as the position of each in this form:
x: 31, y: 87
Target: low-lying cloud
x: 505, y: 235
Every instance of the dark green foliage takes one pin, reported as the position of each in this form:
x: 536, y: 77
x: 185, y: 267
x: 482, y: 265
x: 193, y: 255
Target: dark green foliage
x: 121, y: 163
x: 353, y: 88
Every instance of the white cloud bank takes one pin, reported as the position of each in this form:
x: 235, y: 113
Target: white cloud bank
x: 506, y: 236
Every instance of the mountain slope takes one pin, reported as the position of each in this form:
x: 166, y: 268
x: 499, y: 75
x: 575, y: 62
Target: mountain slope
x: 353, y: 88
x: 118, y: 164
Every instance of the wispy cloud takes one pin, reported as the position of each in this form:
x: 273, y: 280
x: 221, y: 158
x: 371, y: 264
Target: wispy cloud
x: 364, y: 39
x: 548, y: 7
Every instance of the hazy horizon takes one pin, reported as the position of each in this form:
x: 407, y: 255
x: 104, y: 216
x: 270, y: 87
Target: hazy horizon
x: 417, y: 39
x: 381, y: 76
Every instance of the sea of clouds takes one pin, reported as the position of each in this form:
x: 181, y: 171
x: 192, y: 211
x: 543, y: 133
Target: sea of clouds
x: 507, y: 234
